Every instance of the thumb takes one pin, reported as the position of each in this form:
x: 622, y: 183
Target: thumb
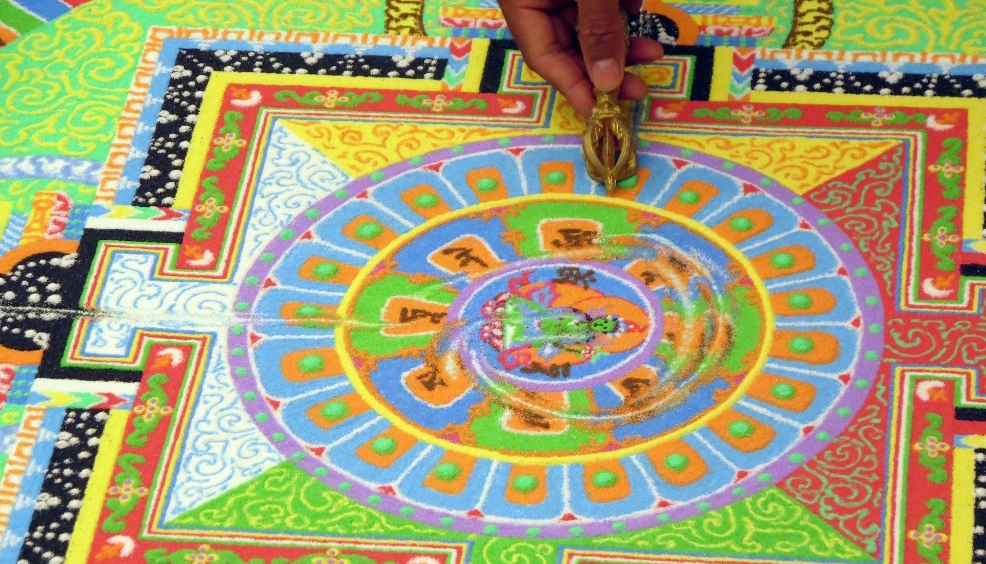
x: 603, y: 41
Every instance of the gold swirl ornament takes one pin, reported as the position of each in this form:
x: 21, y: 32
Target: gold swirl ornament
x: 608, y: 143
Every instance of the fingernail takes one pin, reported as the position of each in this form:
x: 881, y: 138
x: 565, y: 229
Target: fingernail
x: 606, y: 74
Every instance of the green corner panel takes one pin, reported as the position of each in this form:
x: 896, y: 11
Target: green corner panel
x: 768, y: 524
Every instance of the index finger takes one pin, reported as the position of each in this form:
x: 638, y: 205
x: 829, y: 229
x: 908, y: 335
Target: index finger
x: 535, y: 33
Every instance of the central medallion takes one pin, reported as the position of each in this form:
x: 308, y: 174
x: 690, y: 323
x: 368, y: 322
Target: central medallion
x: 552, y: 325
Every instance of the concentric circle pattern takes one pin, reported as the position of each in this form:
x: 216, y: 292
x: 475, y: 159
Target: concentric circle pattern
x: 478, y: 340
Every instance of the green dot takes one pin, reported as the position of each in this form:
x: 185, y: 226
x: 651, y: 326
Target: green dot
x: 619, y: 526
x: 241, y: 371
x: 875, y: 328
x: 575, y: 531
x: 860, y: 271
x: 548, y: 138
x: 846, y: 247
x: 335, y: 410
x: 236, y: 330
x: 555, y: 177
x: 490, y: 530
x: 262, y: 417
x: 369, y: 230
x: 377, y: 176
x: 383, y: 446
x: 238, y: 351
x: 447, y: 471
x: 796, y: 457
x: 298, y: 456
x: 871, y: 355
x: 739, y: 491
x: 703, y: 506
x: 797, y: 201
x: 728, y: 165
x: 663, y: 517
x: 308, y: 310
x: 447, y: 521
x: 374, y: 500
x: 416, y: 161
x: 687, y: 152
x: 676, y: 461
x: 286, y: 234
x: 741, y: 429
x: 823, y: 436
x: 801, y: 345
x: 311, y: 364
x: 782, y: 260
x: 325, y: 270
x: 799, y: 300
x: 426, y: 200
x: 267, y: 257
x: 252, y: 281
x: 872, y: 300
x: 533, y: 532
x: 321, y: 472
x: 783, y: 391
x: 861, y: 384
x: 643, y: 144
x: 341, y: 194
x: 458, y: 149
x: 844, y: 412
x: 503, y: 141
x: 312, y: 213
x: 741, y: 223
x: 525, y: 484
x: 689, y: 197
x: 628, y: 182
x: 345, y: 486
x: 278, y: 437
x: 765, y: 477
x: 766, y: 182
x: 824, y: 222
x: 604, y: 479
x: 486, y: 184
x: 407, y: 511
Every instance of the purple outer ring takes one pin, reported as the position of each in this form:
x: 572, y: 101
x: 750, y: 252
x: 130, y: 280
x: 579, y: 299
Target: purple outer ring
x: 853, y: 396
x: 645, y: 349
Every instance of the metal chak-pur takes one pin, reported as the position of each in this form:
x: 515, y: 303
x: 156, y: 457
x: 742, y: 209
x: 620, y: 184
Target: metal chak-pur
x: 608, y: 143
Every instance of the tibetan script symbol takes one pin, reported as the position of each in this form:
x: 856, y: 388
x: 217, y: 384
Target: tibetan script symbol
x: 554, y: 370
x: 464, y: 255
x: 535, y: 419
x: 575, y: 275
x: 634, y: 385
x: 649, y: 277
x: 431, y: 380
x: 575, y: 238
x: 406, y: 316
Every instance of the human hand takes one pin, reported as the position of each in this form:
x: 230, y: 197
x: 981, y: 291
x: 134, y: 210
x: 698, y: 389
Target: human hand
x: 545, y: 30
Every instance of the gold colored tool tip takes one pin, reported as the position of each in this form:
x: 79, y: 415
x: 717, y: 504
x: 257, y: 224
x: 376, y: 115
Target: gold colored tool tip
x: 608, y: 143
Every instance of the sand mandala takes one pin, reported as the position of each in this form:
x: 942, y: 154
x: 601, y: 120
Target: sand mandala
x: 476, y: 341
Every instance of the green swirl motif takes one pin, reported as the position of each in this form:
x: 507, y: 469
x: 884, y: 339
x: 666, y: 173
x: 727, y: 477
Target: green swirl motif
x: 909, y: 25
x: 930, y: 457
x: 286, y: 499
x: 149, y: 417
x: 126, y: 493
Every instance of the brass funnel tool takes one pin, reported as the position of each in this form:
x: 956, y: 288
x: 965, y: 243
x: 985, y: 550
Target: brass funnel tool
x: 608, y: 143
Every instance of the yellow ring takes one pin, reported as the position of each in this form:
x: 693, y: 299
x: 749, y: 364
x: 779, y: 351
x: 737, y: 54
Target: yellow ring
x: 385, y: 411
